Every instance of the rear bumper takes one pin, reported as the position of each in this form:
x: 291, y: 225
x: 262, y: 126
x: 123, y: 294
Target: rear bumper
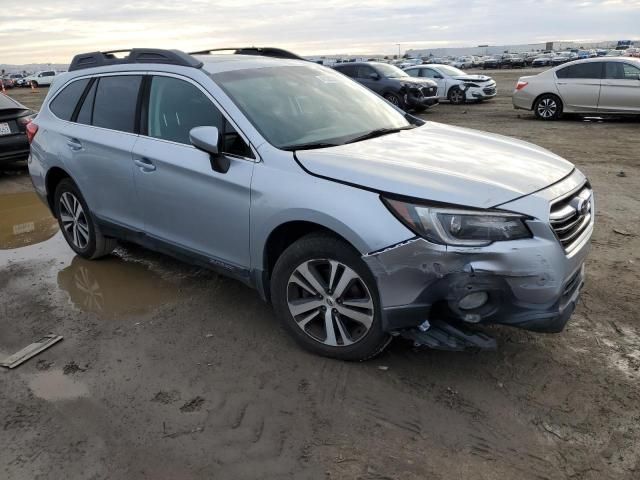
x: 522, y: 100
x: 13, y: 148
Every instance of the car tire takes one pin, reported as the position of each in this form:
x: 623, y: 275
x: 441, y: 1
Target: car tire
x: 456, y: 96
x: 34, y: 84
x: 322, y: 320
x: 77, y: 224
x: 548, y: 107
x: 394, y: 99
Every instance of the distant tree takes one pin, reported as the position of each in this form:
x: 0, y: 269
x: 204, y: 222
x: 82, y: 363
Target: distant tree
x: 395, y: 57
x: 386, y: 57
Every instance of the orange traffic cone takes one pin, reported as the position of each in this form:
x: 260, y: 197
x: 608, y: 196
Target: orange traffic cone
x: 33, y: 87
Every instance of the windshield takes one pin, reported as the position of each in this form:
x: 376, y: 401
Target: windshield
x: 451, y: 71
x: 307, y: 104
x: 390, y: 71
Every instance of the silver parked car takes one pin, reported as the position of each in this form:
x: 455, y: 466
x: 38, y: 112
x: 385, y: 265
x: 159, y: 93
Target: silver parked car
x: 455, y: 85
x: 600, y: 85
x: 357, y: 221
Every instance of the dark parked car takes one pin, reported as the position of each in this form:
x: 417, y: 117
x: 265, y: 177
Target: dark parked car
x: 495, y: 61
x: 513, y: 61
x: 13, y: 137
x: 393, y: 84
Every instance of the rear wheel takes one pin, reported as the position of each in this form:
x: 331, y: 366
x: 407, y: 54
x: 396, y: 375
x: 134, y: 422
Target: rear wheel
x: 77, y: 224
x: 548, y: 107
x: 456, y: 96
x: 327, y: 299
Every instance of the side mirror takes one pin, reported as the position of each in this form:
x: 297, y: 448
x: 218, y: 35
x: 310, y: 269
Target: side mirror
x: 438, y: 76
x: 207, y: 139
x: 374, y: 76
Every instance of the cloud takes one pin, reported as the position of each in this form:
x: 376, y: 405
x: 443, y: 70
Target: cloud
x: 53, y: 31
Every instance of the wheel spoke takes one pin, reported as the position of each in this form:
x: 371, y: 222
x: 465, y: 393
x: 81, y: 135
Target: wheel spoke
x: 84, y: 231
x: 305, y: 320
x: 66, y: 218
x: 65, y: 203
x: 363, y: 318
x: 298, y: 307
x: 334, y: 270
x: 343, y: 283
x: 329, y: 329
x: 310, y: 277
x: 346, y: 338
x: 359, y: 303
x: 76, y: 238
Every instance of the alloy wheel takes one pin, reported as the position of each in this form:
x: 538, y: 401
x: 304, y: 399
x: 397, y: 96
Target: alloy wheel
x: 393, y: 99
x: 547, y: 107
x: 74, y: 220
x: 330, y: 302
x: 456, y: 96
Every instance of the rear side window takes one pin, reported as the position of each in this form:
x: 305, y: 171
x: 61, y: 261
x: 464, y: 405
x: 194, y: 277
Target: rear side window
x: 365, y: 71
x: 581, y: 70
x: 348, y: 70
x: 115, y: 102
x: 65, y: 102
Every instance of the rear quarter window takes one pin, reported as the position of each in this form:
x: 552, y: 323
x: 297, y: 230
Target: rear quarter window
x: 64, y: 104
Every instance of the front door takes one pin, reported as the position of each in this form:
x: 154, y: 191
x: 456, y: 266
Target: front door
x: 437, y: 77
x: 620, y: 88
x: 186, y: 203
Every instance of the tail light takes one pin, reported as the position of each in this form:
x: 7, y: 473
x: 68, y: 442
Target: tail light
x: 521, y: 84
x: 32, y: 129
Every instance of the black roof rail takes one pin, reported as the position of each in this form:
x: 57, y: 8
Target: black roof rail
x: 260, y: 51
x: 136, y: 55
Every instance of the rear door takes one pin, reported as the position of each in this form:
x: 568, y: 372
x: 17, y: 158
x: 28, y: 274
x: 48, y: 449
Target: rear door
x: 186, y: 203
x: 579, y: 85
x: 620, y: 88
x: 98, y: 144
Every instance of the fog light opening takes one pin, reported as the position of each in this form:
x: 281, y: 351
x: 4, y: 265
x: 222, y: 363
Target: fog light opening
x: 473, y: 300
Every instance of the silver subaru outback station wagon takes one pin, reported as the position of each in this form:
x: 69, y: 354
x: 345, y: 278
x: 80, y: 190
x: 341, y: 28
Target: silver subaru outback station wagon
x: 356, y: 221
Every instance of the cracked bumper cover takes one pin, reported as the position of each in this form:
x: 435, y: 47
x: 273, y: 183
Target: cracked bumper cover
x: 531, y: 284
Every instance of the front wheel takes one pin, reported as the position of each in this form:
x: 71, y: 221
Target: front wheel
x: 548, y: 107
x: 328, y: 300
x: 394, y: 99
x: 456, y: 96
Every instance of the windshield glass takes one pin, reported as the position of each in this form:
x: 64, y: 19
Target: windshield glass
x: 390, y: 71
x: 307, y: 104
x: 451, y: 71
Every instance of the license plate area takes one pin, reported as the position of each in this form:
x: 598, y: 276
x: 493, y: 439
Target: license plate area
x: 5, y: 129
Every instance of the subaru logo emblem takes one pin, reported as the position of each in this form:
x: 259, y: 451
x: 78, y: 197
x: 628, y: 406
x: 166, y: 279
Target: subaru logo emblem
x: 582, y: 206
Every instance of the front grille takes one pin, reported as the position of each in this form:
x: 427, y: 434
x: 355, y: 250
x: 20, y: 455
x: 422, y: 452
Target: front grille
x: 429, y: 91
x: 571, y: 216
x: 489, y: 90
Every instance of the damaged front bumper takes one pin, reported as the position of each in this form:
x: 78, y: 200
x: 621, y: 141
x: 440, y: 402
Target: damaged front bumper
x: 531, y: 283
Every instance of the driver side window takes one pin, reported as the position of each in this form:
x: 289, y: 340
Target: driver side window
x: 176, y: 106
x: 428, y: 73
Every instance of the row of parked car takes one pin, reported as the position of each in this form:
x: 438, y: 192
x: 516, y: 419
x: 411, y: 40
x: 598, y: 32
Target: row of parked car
x: 43, y: 78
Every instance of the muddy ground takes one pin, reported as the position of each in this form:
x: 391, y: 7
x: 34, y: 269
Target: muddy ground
x: 170, y: 372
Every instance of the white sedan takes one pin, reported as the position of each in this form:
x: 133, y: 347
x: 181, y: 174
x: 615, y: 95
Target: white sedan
x: 455, y: 85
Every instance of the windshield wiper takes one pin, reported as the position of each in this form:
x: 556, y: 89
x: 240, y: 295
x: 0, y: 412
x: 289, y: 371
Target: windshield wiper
x: 379, y: 132
x: 308, y: 146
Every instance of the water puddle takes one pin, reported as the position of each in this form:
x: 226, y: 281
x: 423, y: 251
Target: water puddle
x: 24, y: 220
x: 112, y: 286
x: 55, y: 385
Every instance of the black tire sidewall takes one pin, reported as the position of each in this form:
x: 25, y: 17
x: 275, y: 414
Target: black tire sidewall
x: 451, y: 92
x: 67, y: 185
x: 400, y: 103
x: 326, y: 246
x: 558, y: 113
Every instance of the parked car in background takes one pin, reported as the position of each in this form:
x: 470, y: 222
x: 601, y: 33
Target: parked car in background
x: 543, y: 60
x: 512, y: 60
x: 356, y: 221
x: 492, y: 62
x: 463, y: 62
x: 563, y: 57
x: 14, y: 118
x: 455, y: 85
x: 394, y: 84
x: 41, y: 79
x: 603, y: 85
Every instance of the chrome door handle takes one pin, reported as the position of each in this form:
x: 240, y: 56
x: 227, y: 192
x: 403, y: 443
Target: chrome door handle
x: 145, y: 164
x: 74, y: 144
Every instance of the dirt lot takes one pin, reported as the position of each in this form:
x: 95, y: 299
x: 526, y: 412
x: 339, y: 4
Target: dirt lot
x: 170, y: 372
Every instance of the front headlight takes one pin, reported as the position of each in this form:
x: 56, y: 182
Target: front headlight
x: 452, y: 226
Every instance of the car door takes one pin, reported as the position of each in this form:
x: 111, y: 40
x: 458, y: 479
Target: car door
x: 437, y: 77
x: 98, y: 144
x: 186, y: 204
x: 366, y: 75
x: 579, y: 85
x: 620, y: 90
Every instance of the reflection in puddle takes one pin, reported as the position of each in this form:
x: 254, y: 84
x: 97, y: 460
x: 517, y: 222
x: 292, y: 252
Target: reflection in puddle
x: 113, y: 286
x: 24, y: 220
x: 55, y: 385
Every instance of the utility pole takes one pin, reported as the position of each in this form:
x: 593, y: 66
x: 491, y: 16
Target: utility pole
x: 399, y: 56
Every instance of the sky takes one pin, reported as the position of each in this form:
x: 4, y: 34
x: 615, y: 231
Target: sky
x: 40, y: 31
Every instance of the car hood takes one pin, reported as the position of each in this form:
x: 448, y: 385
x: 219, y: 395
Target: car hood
x: 441, y: 163
x: 416, y: 81
x: 473, y: 78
